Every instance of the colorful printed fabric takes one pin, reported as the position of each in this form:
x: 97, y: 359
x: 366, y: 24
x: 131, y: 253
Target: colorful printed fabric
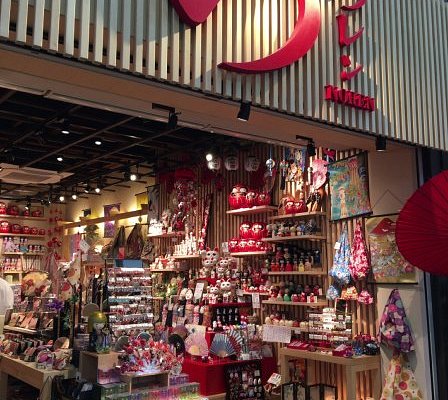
x: 365, y: 297
x: 340, y: 271
x: 333, y: 292
x: 349, y: 293
x: 400, y: 382
x: 395, y: 330
x: 359, y: 258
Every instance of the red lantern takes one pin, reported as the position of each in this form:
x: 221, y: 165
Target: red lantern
x: 233, y: 245
x: 237, y: 198
x: 263, y: 199
x: 2, y: 208
x: 259, y: 230
x: 246, y: 230
x: 16, y: 228
x: 251, y: 198
x: 5, y: 227
x: 26, y: 230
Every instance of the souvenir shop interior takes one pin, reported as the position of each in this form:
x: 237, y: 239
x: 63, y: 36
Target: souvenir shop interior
x: 153, y: 261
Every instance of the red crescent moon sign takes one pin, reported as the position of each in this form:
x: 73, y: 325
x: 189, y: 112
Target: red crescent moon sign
x: 194, y: 12
x: 305, y: 33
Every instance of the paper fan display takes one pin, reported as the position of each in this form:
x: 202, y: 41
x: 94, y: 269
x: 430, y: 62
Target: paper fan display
x: 222, y: 346
x: 237, y: 340
x: 196, y: 345
x: 422, y: 226
x: 319, y: 173
x: 177, y: 342
x: 121, y: 343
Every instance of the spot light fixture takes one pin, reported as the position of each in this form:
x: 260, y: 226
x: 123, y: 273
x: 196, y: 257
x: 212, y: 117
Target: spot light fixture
x: 311, y: 148
x: 60, y: 158
x: 381, y: 143
x: 244, y: 112
x: 65, y: 129
x: 172, y: 120
x: 98, y: 142
x: 61, y: 198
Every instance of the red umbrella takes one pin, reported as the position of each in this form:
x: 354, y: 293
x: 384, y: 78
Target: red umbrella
x: 422, y: 226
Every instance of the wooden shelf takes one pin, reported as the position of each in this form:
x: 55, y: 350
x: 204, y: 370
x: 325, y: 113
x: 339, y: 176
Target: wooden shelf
x: 292, y: 328
x: 158, y: 298
x: 22, y: 217
x: 245, y: 293
x: 167, y: 270
x: 290, y: 273
x: 99, y: 220
x: 22, y: 235
x: 188, y: 257
x: 20, y: 330
x: 297, y: 304
x: 253, y: 210
x: 12, y: 272
x: 298, y: 215
x: 217, y: 305
x: 280, y: 239
x: 168, y: 235
x: 18, y: 253
x: 249, y: 253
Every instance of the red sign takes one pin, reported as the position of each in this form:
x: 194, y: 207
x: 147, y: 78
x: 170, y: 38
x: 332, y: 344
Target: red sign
x: 306, y: 31
x: 349, y: 98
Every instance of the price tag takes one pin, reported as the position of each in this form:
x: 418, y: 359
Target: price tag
x: 275, y: 379
x: 199, y: 289
x: 276, y: 334
x: 337, y: 245
x: 84, y: 246
x: 255, y: 300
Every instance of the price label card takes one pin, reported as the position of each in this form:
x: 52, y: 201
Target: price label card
x: 337, y: 245
x: 275, y: 379
x: 255, y: 300
x: 199, y: 290
x: 276, y: 334
x: 84, y: 246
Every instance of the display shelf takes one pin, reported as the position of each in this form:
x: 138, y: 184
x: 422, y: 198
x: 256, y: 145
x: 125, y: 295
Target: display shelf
x: 291, y: 273
x: 298, y: 215
x: 27, y: 235
x: 280, y: 239
x: 188, y: 257
x: 18, y: 253
x: 20, y: 330
x: 156, y: 270
x: 291, y: 328
x: 253, y: 210
x: 230, y: 305
x: 319, y: 303
x: 168, y: 235
x: 245, y: 293
x: 158, y: 298
x: 22, y: 217
x: 249, y: 253
x: 12, y: 272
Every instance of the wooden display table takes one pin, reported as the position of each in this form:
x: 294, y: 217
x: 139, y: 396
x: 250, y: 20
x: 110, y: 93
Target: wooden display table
x: 91, y: 365
x: 351, y: 367
x: 146, y: 380
x: 41, y: 379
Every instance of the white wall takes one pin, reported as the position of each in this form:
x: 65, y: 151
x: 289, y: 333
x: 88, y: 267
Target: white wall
x: 393, y: 178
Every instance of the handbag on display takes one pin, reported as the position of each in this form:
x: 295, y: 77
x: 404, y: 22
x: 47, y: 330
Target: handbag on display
x: 400, y: 382
x: 359, y: 257
x: 340, y: 271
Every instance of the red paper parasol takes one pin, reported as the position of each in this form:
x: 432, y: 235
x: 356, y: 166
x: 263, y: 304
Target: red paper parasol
x: 422, y: 226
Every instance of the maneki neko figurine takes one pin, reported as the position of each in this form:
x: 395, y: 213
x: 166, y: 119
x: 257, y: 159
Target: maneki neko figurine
x: 99, y: 336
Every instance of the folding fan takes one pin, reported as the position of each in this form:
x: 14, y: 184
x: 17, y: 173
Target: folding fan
x: 196, y: 345
x: 221, y: 346
x: 237, y: 340
x: 422, y: 226
x: 181, y: 330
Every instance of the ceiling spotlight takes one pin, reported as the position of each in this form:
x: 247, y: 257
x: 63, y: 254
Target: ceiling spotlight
x: 209, y: 157
x: 311, y: 149
x: 87, y: 189
x: 61, y: 198
x: 172, y: 121
x: 28, y: 203
x: 60, y: 158
x: 74, y: 196
x: 127, y: 175
x: 133, y: 177
x: 244, y: 113
x: 98, y: 190
x: 381, y: 143
x: 98, y: 142
x: 65, y: 129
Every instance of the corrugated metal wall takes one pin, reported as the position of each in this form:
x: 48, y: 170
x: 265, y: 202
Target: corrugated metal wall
x: 403, y: 51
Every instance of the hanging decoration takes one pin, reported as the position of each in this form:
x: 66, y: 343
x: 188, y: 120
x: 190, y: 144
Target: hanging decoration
x: 231, y: 162
x: 185, y: 202
x: 205, y: 221
x: 359, y: 258
x: 251, y: 164
x: 349, y: 187
x: 214, y: 164
x: 422, y: 226
x: 340, y: 271
x: 296, y: 159
x: 109, y: 226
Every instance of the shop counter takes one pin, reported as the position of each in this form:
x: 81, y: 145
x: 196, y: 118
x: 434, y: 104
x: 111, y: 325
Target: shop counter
x: 350, y: 365
x: 27, y: 372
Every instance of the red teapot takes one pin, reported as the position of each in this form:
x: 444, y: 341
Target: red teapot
x: 246, y: 230
x: 5, y: 227
x: 26, y: 230
x: 16, y: 228
x: 13, y: 210
x: 251, y: 198
x: 2, y: 208
x: 237, y: 198
x: 263, y: 199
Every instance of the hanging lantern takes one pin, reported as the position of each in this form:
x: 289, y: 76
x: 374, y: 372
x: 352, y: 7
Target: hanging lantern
x: 251, y: 164
x: 215, y: 164
x: 231, y: 162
